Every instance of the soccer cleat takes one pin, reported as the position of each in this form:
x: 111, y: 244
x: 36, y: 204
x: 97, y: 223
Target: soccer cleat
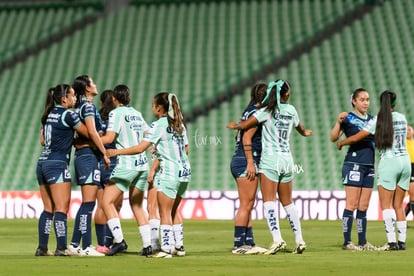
x: 259, y: 250
x: 41, y: 251
x: 368, y: 247
x: 117, y: 248
x: 90, y: 251
x: 75, y: 250
x: 162, y: 254
x: 180, y: 252
x: 300, y: 247
x: 276, y: 247
x: 102, y: 249
x: 65, y: 252
x: 401, y: 245
x: 391, y: 246
x: 146, y: 251
x: 351, y: 246
x: 244, y: 250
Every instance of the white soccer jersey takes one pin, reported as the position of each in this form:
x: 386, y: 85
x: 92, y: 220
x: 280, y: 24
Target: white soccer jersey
x: 399, y: 147
x: 277, y: 128
x: 129, y: 126
x: 174, y: 163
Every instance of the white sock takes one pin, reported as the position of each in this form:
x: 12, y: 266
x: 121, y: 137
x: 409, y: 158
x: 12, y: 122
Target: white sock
x: 402, y: 230
x: 115, y: 227
x: 293, y: 217
x: 145, y: 232
x: 272, y: 220
x: 178, y: 235
x: 166, y: 232
x: 389, y: 222
x: 155, y: 232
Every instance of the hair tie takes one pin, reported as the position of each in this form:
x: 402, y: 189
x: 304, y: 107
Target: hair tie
x: 270, y: 86
x: 170, y: 107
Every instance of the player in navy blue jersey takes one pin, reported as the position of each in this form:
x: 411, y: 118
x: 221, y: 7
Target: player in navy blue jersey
x: 243, y: 167
x: 88, y: 154
x: 53, y: 175
x: 357, y: 170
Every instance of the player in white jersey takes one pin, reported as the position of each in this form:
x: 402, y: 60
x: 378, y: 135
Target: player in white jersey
x: 126, y: 127
x: 394, y: 168
x: 276, y: 164
x: 168, y: 134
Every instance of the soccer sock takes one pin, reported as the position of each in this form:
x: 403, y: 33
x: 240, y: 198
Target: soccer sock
x: 361, y: 221
x: 76, y: 236
x: 239, y: 235
x: 166, y: 232
x: 145, y: 232
x: 272, y: 221
x: 249, y: 238
x: 293, y: 217
x: 412, y: 207
x: 114, y: 225
x: 178, y: 230
x: 109, y: 238
x: 402, y: 230
x: 43, y: 228
x: 85, y: 226
x: 155, y: 232
x: 389, y: 222
x: 60, y: 223
x: 100, y: 230
x: 347, y: 220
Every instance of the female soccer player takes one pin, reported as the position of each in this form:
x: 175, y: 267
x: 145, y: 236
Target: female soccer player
x: 126, y: 128
x: 168, y: 134
x: 53, y: 175
x: 244, y: 166
x: 357, y: 170
x: 394, y: 169
x: 276, y: 164
x: 87, y: 159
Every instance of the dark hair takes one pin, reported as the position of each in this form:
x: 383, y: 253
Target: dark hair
x: 272, y: 100
x: 122, y: 94
x: 79, y: 85
x: 107, y: 104
x: 384, y: 130
x: 257, y: 93
x: 177, y: 122
x: 53, y: 97
x: 355, y: 94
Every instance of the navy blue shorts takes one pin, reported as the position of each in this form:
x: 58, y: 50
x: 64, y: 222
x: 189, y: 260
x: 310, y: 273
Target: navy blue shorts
x: 87, y: 167
x: 53, y: 171
x: 106, y: 174
x: 412, y: 173
x: 238, y: 166
x: 358, y: 175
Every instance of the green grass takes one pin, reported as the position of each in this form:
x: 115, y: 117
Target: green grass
x: 208, y: 245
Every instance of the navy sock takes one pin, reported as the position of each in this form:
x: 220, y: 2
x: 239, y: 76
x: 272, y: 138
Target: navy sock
x: 361, y: 220
x: 347, y: 219
x: 76, y: 236
x: 43, y: 228
x: 109, y: 238
x: 85, y: 223
x: 407, y: 209
x: 61, y: 229
x: 412, y: 206
x: 100, y: 230
x: 249, y: 239
x: 239, y: 235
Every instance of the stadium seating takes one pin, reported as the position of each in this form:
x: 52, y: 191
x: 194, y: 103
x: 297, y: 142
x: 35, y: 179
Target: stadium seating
x: 198, y: 50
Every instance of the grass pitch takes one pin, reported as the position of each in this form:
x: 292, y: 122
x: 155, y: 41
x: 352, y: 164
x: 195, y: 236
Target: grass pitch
x: 208, y: 246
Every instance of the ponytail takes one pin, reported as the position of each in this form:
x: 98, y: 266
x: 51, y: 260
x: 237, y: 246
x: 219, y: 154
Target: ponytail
x: 175, y: 118
x: 384, y: 131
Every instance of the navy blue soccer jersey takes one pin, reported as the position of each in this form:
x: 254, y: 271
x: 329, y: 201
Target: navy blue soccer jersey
x: 362, y: 152
x: 88, y: 110
x: 58, y: 134
x: 256, y: 139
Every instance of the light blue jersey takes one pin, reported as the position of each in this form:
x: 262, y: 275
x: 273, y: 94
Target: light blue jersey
x: 129, y: 126
x: 174, y: 163
x: 399, y: 147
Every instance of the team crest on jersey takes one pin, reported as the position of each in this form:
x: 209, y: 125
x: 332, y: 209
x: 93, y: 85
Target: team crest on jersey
x: 97, y: 175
